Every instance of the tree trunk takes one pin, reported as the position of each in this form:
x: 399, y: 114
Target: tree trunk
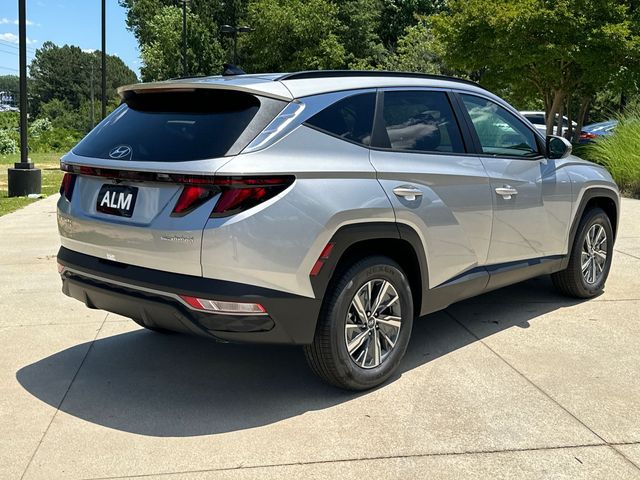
x: 558, y: 99
x: 584, y: 107
x: 569, y: 119
x: 560, y: 120
x: 623, y: 101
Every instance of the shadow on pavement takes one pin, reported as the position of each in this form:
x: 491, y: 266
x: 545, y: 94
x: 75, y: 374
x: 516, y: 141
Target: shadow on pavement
x: 173, y: 385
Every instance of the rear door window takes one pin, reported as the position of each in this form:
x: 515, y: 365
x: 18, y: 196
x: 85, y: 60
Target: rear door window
x: 420, y: 121
x: 350, y: 118
x: 179, y: 126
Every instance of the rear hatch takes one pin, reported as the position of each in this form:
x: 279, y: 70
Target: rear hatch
x: 138, y: 189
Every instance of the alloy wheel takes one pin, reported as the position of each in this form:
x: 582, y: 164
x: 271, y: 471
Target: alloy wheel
x: 373, y: 323
x: 594, y: 254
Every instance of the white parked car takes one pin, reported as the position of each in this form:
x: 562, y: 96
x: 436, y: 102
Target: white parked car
x: 538, y: 120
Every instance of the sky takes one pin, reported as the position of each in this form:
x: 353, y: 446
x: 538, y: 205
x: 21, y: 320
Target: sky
x: 73, y: 22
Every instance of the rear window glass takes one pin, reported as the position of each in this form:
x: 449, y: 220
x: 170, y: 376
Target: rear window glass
x: 350, y: 118
x: 172, y: 126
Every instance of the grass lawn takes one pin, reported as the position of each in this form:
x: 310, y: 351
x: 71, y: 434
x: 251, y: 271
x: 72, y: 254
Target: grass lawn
x: 49, y: 163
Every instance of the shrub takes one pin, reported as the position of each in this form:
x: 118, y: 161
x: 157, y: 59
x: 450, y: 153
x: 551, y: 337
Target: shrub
x: 620, y: 152
x: 54, y: 140
x: 7, y: 144
x: 9, y: 120
x: 39, y: 126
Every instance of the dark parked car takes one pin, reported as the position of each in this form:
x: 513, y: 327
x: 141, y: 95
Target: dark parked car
x: 590, y: 132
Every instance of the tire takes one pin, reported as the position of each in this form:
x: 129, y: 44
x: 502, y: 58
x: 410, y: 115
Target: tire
x: 340, y: 322
x: 571, y: 281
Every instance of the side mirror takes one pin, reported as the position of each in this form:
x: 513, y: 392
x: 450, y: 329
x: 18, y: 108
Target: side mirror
x: 558, y: 147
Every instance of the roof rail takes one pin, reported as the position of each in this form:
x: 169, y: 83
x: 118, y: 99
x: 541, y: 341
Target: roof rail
x: 368, y: 73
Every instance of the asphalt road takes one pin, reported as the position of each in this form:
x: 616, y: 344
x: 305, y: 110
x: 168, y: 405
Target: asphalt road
x: 518, y: 383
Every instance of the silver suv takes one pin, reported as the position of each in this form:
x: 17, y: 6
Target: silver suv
x: 325, y: 209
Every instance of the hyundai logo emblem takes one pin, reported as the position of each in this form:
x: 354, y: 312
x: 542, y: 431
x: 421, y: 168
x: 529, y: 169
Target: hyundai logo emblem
x: 121, y: 152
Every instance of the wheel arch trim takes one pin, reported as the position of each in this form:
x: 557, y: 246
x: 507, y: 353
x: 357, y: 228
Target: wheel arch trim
x: 589, y: 194
x: 349, y: 235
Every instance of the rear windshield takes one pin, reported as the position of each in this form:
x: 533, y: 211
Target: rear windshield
x: 179, y: 126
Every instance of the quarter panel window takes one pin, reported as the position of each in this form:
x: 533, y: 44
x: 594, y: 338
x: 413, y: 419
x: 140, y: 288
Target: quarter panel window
x: 420, y: 121
x: 350, y: 118
x: 500, y: 132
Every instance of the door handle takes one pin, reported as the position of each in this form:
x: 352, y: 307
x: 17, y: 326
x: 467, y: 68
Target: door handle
x: 506, y: 192
x: 408, y: 192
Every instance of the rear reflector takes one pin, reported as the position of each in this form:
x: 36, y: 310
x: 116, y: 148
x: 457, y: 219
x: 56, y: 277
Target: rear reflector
x: 324, y: 255
x: 60, y: 268
x: 217, y: 306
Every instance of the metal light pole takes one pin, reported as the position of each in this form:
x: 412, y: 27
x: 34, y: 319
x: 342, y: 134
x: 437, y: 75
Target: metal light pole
x: 93, y: 103
x: 23, y: 178
x: 235, y: 31
x: 104, y: 59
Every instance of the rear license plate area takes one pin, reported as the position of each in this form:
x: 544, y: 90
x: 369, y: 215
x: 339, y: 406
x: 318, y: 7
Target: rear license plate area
x: 118, y: 200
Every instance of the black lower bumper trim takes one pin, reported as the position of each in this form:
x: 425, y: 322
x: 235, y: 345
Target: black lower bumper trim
x: 99, y: 284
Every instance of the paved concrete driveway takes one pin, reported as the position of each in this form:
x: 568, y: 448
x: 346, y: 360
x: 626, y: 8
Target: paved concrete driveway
x: 519, y: 383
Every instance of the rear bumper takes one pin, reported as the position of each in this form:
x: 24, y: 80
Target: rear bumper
x: 150, y: 297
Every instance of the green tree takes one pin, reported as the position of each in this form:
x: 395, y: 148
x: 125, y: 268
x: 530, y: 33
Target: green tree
x: 416, y: 51
x: 209, y: 14
x: 162, y: 53
x: 360, y: 22
x: 552, y: 47
x: 293, y: 35
x: 398, y: 15
x: 67, y: 73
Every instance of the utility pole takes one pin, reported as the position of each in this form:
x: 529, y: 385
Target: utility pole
x: 23, y: 178
x: 184, y: 38
x: 104, y: 62
x: 93, y: 103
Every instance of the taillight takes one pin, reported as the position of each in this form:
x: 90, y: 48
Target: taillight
x: 239, y: 194
x: 587, y: 136
x: 190, y: 199
x: 68, y: 183
x: 236, y: 193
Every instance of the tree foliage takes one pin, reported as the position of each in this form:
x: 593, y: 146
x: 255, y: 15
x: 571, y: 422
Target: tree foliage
x: 398, y: 15
x: 416, y: 51
x: 552, y: 47
x: 162, y: 55
x: 293, y: 35
x: 286, y: 34
x: 69, y: 73
x: 157, y: 25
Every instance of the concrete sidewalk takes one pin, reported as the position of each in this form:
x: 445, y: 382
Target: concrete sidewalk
x: 518, y: 383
